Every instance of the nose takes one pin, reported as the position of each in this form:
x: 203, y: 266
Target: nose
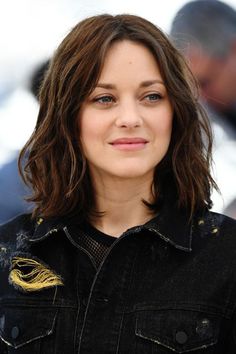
x: 128, y: 116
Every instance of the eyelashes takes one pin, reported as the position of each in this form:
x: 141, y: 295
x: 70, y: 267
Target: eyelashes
x: 107, y: 100
x: 153, y: 97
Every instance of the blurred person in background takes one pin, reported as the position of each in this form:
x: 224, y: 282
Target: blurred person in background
x: 121, y: 253
x: 205, y: 32
x: 12, y: 189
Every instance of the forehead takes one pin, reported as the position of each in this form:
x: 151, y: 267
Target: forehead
x: 130, y: 58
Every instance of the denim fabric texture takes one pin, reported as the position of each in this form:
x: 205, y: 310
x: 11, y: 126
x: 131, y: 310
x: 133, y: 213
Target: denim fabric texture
x: 168, y: 286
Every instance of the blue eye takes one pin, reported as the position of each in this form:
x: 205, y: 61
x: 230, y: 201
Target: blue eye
x: 153, y: 97
x: 104, y: 99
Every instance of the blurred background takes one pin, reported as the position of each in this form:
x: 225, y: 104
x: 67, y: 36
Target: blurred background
x: 29, y: 33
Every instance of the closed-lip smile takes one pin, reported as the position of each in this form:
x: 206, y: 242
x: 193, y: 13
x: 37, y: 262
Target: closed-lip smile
x: 129, y: 144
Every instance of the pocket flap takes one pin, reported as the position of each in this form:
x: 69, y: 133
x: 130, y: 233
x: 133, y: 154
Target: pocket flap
x: 19, y: 326
x: 178, y: 330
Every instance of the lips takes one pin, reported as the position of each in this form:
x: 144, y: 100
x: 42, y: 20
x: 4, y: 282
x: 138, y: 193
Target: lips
x: 129, y: 141
x: 129, y: 144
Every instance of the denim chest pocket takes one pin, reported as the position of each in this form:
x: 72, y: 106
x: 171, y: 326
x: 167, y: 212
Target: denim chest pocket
x: 22, y: 329
x: 177, y: 331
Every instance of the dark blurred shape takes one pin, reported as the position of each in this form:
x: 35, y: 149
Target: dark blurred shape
x: 205, y: 32
x: 37, y: 78
x: 12, y: 192
x: 12, y: 189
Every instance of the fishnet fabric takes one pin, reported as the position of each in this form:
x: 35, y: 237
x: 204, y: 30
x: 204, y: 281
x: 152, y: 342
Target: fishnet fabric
x: 95, y: 242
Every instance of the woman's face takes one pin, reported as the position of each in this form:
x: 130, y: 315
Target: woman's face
x: 126, y: 122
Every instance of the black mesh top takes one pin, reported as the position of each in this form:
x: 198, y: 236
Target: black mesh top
x: 95, y: 242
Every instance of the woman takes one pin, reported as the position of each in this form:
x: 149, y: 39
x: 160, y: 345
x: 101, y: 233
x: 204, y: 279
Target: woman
x: 121, y: 253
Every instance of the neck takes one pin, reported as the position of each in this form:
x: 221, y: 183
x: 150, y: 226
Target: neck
x: 121, y: 202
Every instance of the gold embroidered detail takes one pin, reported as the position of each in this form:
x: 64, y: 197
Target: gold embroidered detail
x: 38, y: 278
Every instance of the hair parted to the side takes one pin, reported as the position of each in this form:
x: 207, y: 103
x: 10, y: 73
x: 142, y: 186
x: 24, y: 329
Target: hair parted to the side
x: 56, y: 168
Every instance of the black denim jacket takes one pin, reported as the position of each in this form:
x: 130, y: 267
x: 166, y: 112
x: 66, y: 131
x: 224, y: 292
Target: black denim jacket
x: 168, y: 286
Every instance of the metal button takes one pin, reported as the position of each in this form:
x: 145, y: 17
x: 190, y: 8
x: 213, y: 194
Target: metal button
x: 203, y: 327
x: 215, y: 230
x: 181, y: 337
x: 39, y: 221
x: 15, y: 332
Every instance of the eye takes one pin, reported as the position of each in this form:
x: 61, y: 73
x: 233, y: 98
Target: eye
x: 153, y: 97
x: 104, y: 99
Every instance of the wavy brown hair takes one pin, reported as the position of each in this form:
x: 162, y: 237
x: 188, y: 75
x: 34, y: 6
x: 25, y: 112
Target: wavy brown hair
x: 56, y: 167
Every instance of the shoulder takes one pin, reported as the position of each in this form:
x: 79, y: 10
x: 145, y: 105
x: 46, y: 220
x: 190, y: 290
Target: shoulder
x: 222, y: 223
x: 212, y: 221
x: 218, y: 231
x: 12, y: 233
x: 10, y: 229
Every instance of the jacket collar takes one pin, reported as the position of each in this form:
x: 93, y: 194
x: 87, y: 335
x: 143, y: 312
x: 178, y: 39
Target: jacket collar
x: 46, y: 227
x: 171, y: 224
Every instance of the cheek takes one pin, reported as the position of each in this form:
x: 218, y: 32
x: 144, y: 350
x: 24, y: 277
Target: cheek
x: 86, y: 134
x: 163, y: 125
x: 88, y: 140
x: 91, y: 134
x: 168, y: 122
x: 87, y: 126
x: 94, y: 125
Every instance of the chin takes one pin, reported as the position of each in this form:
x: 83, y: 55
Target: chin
x: 131, y: 172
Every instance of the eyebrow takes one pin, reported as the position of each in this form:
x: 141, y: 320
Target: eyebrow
x: 151, y: 82
x: 143, y: 84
